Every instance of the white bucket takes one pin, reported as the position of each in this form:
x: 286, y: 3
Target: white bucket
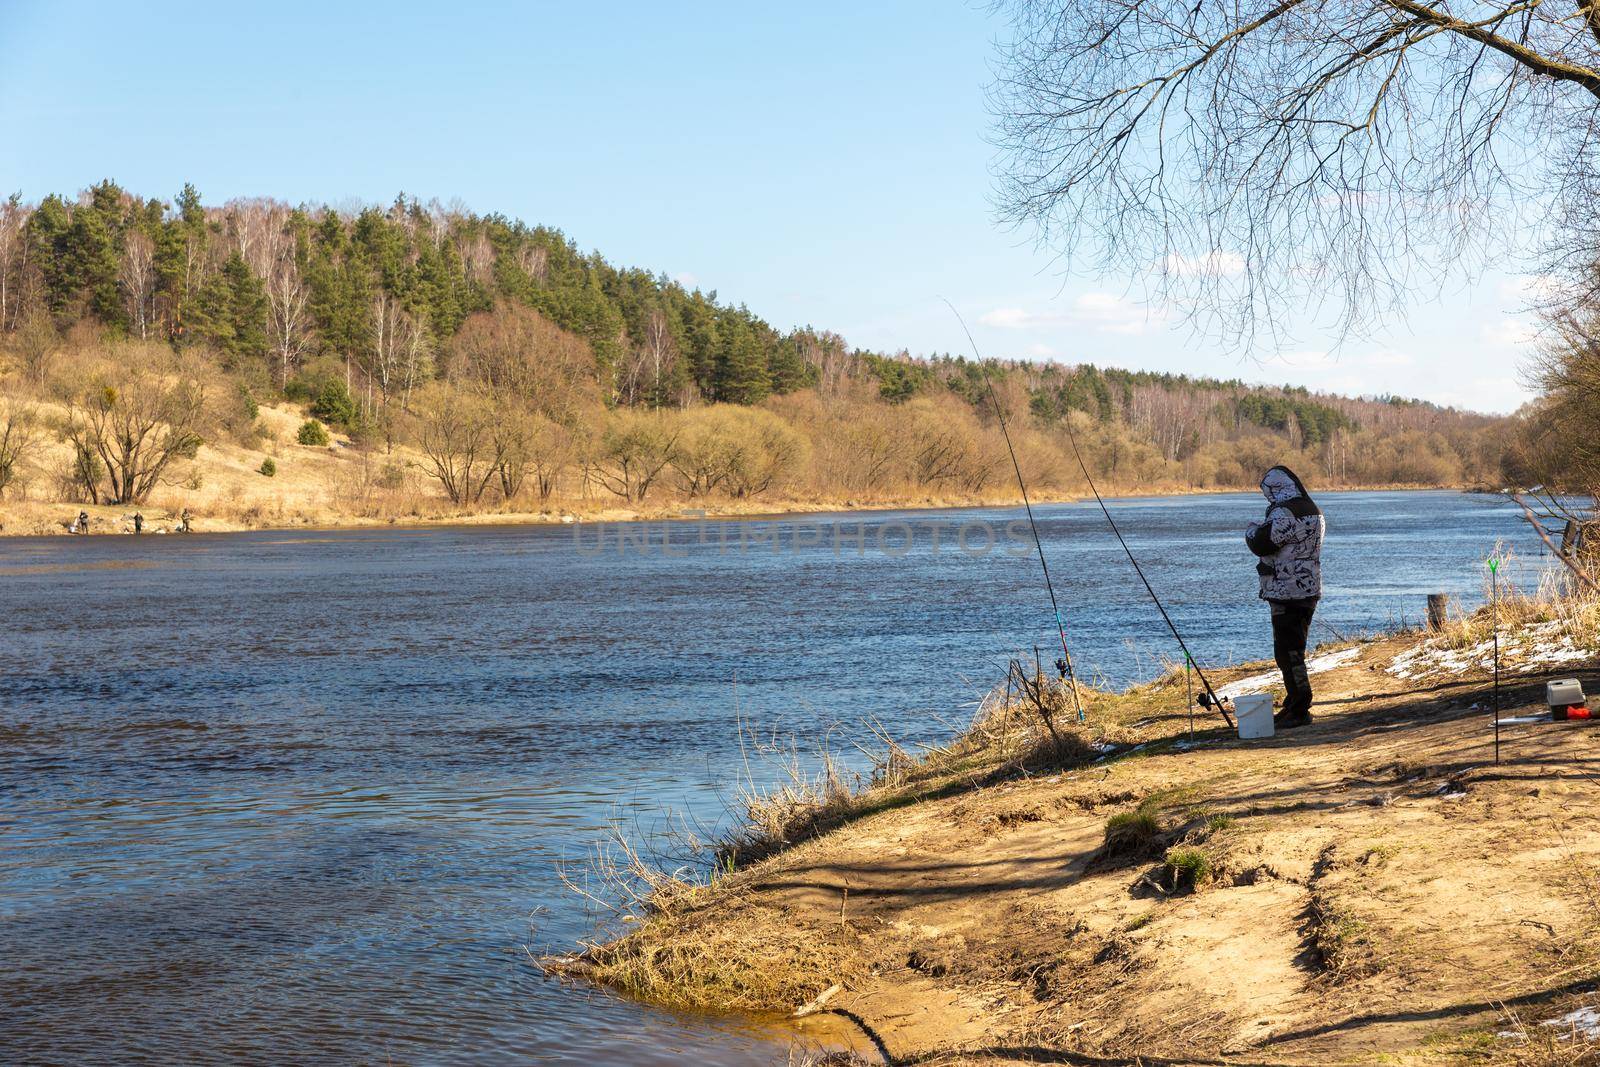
x: 1254, y: 715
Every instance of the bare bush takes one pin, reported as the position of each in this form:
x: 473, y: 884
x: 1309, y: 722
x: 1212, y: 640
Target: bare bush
x: 132, y: 421
x: 18, y: 437
x: 36, y: 342
x: 738, y: 451
x: 513, y: 352
x: 529, y: 445
x: 632, y: 453
x: 456, y: 435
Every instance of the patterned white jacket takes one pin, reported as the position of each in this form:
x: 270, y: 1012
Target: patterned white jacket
x: 1289, y: 541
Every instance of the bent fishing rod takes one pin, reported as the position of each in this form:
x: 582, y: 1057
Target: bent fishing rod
x: 1061, y: 629
x: 1209, y: 698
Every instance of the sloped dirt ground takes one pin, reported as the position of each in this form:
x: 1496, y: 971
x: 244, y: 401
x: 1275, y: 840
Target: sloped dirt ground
x: 1383, y: 890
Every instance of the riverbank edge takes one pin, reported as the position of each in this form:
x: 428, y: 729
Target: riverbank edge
x: 860, y: 913
x: 32, y: 519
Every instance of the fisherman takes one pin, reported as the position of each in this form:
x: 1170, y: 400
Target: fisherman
x: 1289, y: 544
x: 82, y: 525
x: 185, y: 526
x: 138, y: 523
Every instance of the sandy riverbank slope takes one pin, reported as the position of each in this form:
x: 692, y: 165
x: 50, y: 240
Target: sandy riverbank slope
x: 1381, y: 889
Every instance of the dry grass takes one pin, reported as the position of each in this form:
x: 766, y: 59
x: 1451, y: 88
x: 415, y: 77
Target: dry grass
x: 718, y: 968
x: 668, y: 957
x: 1551, y: 596
x: 1009, y: 736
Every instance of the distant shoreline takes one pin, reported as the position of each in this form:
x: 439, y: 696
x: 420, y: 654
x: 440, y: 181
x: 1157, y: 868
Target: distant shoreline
x: 30, y: 519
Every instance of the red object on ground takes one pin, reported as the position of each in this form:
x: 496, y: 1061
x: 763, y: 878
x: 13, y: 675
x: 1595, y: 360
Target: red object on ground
x: 1578, y: 711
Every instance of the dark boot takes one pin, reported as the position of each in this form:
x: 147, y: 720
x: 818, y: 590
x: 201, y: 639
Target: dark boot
x: 1289, y: 718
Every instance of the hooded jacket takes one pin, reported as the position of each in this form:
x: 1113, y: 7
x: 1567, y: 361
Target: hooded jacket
x: 1289, y: 540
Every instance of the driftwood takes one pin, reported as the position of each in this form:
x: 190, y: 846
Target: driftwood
x: 821, y: 1001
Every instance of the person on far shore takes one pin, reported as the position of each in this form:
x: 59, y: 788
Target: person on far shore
x: 1288, y: 544
x: 138, y: 523
x: 82, y: 525
x: 185, y: 526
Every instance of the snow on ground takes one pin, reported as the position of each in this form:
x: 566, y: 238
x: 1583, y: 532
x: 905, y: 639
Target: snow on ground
x: 1525, y: 649
x: 1583, y: 1024
x: 1259, y: 683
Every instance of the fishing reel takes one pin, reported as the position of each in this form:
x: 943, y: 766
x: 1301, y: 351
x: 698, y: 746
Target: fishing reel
x: 1221, y: 703
x: 1063, y: 668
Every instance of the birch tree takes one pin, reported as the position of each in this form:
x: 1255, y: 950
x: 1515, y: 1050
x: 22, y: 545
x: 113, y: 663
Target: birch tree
x: 137, y: 280
x: 13, y: 259
x: 401, y: 353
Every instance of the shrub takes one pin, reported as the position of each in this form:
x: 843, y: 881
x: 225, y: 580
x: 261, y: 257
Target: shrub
x: 313, y: 433
x: 334, y: 404
x: 393, y: 476
x: 268, y: 467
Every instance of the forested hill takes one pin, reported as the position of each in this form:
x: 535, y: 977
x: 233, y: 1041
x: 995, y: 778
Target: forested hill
x: 393, y: 325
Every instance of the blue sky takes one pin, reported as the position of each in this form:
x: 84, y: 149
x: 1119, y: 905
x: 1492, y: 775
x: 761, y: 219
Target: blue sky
x: 823, y: 163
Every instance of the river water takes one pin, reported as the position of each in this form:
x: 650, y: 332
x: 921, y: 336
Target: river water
x: 301, y: 797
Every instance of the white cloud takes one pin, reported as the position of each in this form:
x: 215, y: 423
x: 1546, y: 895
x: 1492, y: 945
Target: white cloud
x: 685, y: 279
x: 1308, y: 359
x: 1017, y: 319
x: 1042, y: 352
x: 1510, y: 333
x: 1491, y: 394
x: 1529, y: 289
x: 1388, y: 357
x: 1214, y: 264
x: 1099, y: 312
x: 1321, y: 360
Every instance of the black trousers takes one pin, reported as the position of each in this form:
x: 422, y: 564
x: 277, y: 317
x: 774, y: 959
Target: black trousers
x: 1291, y: 626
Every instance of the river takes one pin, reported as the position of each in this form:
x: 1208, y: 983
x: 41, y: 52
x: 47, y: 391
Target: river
x: 300, y: 797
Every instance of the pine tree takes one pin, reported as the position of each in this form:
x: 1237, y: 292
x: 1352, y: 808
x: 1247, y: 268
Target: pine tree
x: 741, y: 376
x: 701, y: 342
x: 230, y: 314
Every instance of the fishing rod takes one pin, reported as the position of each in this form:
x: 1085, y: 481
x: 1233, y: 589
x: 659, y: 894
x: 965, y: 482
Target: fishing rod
x: 1065, y: 663
x: 1207, y: 699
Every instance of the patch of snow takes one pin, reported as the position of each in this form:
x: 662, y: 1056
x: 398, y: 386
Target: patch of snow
x: 1257, y: 683
x: 1564, y: 653
x: 1330, y: 660
x: 1585, y: 1022
x: 1521, y: 651
x: 1253, y: 684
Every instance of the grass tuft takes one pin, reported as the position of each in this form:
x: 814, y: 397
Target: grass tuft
x: 1188, y: 869
x: 1131, y: 833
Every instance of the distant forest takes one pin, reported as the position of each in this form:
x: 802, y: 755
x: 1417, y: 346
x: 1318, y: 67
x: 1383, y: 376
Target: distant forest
x: 509, y: 366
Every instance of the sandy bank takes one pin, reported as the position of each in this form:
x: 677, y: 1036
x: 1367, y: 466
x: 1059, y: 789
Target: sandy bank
x: 1373, y: 887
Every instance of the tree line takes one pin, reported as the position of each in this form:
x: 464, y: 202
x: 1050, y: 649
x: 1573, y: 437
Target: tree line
x: 510, y: 366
